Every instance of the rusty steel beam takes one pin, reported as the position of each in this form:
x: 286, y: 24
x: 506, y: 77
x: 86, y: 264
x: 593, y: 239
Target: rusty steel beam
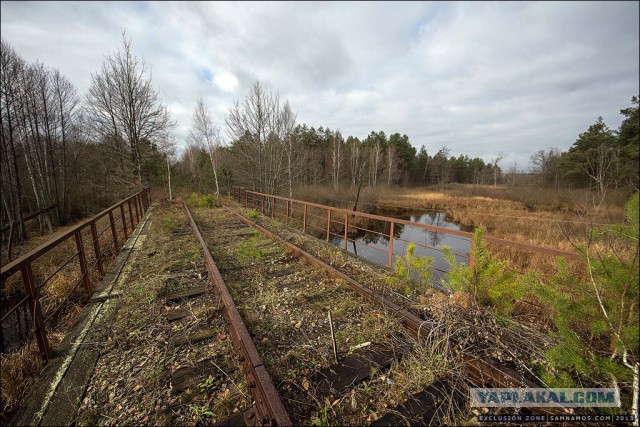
x: 267, y: 400
x: 16, y: 265
x: 482, y: 372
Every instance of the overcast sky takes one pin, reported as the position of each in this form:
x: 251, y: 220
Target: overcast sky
x: 479, y: 78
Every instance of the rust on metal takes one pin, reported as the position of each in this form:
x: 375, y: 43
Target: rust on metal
x: 481, y: 371
x: 130, y: 214
x: 268, y: 403
x: 465, y: 234
x: 36, y: 312
x: 23, y: 263
x: 83, y: 263
x: 391, y: 231
x: 124, y: 221
x: 346, y: 229
x: 114, y: 232
x: 328, y: 223
x: 96, y: 247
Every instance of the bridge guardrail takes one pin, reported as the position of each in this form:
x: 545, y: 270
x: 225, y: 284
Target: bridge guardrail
x: 118, y: 220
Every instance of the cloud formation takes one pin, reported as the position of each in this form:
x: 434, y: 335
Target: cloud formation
x: 479, y: 78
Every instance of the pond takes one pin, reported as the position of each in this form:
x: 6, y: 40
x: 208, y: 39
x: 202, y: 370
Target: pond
x: 375, y: 247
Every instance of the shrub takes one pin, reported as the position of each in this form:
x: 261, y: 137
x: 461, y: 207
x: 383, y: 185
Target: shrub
x: 488, y: 281
x: 412, y: 269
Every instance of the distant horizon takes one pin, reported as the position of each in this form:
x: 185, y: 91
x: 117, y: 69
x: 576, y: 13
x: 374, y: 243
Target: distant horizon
x: 478, y: 78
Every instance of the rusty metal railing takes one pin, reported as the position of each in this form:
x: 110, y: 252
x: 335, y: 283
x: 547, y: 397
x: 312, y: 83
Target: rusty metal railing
x: 123, y: 216
x: 268, y: 204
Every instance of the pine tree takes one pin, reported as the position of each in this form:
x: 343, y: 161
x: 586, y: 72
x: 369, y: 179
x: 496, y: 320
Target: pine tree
x: 596, y: 319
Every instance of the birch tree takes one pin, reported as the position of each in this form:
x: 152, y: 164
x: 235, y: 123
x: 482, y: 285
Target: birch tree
x: 204, y: 133
x: 336, y: 158
x: 258, y: 127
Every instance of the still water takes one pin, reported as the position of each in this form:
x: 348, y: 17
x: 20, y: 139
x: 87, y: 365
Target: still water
x: 375, y: 247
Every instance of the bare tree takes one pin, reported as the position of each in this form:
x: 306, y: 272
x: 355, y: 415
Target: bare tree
x: 167, y: 146
x: 336, y: 158
x: 203, y: 132
x: 495, y: 162
x: 124, y: 106
x: 546, y: 163
x: 355, y: 153
x: 11, y: 67
x: 287, y: 124
x: 258, y: 128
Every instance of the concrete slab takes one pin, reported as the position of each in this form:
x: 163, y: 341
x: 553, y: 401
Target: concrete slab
x: 62, y: 384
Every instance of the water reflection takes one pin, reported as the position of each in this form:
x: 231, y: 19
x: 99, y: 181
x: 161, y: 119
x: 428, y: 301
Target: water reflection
x: 374, y: 245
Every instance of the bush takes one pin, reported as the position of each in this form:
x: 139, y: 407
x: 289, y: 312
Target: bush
x: 411, y: 269
x: 488, y: 281
x: 201, y: 201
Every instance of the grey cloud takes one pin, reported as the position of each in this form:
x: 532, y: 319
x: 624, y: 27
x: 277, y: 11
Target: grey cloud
x: 480, y: 78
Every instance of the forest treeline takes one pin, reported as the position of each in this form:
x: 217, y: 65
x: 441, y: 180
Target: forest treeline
x: 81, y: 152
x: 269, y: 160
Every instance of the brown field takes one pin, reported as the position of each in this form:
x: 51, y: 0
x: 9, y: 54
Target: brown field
x: 551, y: 218
x: 540, y: 216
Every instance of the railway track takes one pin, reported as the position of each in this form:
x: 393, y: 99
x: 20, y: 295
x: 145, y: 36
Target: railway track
x: 320, y: 348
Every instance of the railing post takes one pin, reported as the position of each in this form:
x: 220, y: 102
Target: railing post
x: 135, y: 208
x: 346, y: 227
x: 390, y: 262
x: 246, y: 199
x: 328, y: 222
x: 131, y: 215
x: 273, y: 207
x: 139, y: 204
x: 114, y: 232
x: 124, y: 221
x: 304, y: 219
x: 287, y: 214
x: 36, y: 313
x: 262, y: 203
x: 96, y: 246
x: 83, y: 263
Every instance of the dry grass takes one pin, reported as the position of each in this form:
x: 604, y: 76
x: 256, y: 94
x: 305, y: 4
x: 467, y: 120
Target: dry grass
x: 558, y: 219
x: 18, y: 372
x: 19, y: 368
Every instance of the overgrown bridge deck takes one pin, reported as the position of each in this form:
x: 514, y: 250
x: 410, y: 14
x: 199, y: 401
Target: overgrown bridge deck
x: 250, y: 321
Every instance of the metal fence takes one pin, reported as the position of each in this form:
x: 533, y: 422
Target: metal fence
x: 120, y: 219
x: 326, y: 220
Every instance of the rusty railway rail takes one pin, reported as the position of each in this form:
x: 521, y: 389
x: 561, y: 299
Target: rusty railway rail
x: 482, y: 372
x: 135, y: 206
x: 268, y: 404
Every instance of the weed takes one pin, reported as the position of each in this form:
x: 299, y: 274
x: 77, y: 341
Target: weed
x: 596, y: 319
x: 208, y: 386
x: 411, y: 269
x: 488, y: 281
x: 323, y: 416
x: 201, y: 201
x: 249, y: 250
x: 201, y: 412
x: 170, y: 224
x: 253, y: 214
